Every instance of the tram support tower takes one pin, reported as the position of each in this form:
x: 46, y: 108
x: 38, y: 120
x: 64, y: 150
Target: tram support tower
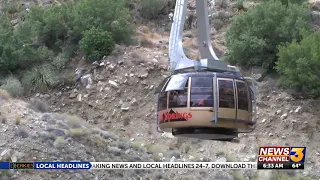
x: 208, y: 59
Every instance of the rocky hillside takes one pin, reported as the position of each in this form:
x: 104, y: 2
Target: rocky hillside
x: 118, y: 98
x: 109, y: 115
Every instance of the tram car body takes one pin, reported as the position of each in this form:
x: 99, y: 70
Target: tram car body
x: 204, y: 98
x: 206, y: 105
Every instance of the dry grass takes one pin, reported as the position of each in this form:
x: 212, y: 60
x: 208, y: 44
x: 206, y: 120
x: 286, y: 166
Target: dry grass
x: 237, y: 175
x: 190, y: 53
x: 192, y: 43
x: 230, y: 158
x: 145, y: 29
x: 59, y: 142
x: 4, y: 94
x: 3, y: 119
x: 17, y: 120
x: 137, y: 58
x: 135, y: 55
x: 126, y: 120
x: 78, y: 132
x: 220, y: 153
x: 73, y: 121
x: 136, y: 146
x: 186, y: 148
x: 286, y: 175
x: 155, y: 36
x: 144, y: 41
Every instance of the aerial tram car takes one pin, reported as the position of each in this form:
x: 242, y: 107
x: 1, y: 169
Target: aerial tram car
x: 206, y: 98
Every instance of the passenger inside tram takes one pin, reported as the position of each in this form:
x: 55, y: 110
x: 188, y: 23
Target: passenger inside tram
x: 201, y: 92
x: 226, y: 94
x: 178, y: 99
x: 182, y: 98
x: 163, y: 101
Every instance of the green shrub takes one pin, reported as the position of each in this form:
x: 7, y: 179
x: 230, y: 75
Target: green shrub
x: 40, y: 78
x: 46, y: 32
x: 299, y: 2
x: 110, y: 15
x: 8, y: 58
x: 17, y: 50
x: 253, y: 36
x: 239, y: 5
x: 151, y: 9
x: 13, y: 86
x: 96, y: 43
x: 222, y: 3
x: 299, y: 64
x: 62, y: 27
x: 50, y: 25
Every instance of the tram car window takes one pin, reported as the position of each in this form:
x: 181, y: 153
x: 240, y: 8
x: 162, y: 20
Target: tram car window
x: 226, y: 94
x: 201, y: 94
x: 163, y: 101
x: 178, y: 98
x: 243, y: 102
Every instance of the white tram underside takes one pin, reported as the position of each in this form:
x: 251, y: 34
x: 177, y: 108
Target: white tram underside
x: 205, y: 105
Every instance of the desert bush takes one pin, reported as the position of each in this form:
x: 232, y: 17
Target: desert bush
x: 299, y: 64
x: 217, y: 24
x: 222, y: 3
x: 96, y: 43
x: 222, y: 16
x: 39, y: 106
x: 253, y: 36
x: 10, y: 7
x: 13, y: 86
x: 60, y: 61
x: 40, y: 78
x: 151, y: 9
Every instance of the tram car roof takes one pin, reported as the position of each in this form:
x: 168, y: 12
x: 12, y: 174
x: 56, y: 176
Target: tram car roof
x: 231, y: 75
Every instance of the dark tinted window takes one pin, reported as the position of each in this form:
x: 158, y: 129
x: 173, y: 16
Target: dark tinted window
x: 163, y: 101
x: 178, y: 98
x: 201, y: 94
x: 226, y: 94
x: 242, y: 91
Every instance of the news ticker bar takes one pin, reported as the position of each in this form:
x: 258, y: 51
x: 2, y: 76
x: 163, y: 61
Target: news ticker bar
x: 127, y: 165
x: 147, y: 165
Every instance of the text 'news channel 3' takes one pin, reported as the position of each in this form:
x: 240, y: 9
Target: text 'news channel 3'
x: 281, y: 157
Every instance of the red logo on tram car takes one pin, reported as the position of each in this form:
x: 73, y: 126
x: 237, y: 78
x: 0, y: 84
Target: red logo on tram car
x: 172, y: 116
